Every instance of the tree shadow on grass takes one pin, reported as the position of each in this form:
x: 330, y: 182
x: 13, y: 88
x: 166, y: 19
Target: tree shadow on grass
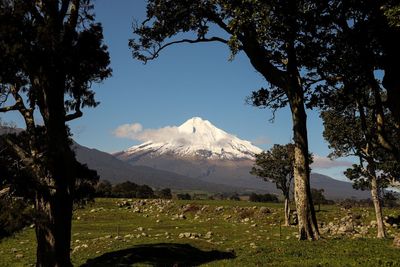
x: 161, y: 254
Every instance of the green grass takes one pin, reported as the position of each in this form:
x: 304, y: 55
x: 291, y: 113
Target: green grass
x: 256, y: 241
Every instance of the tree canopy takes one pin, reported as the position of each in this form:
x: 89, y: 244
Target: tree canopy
x: 51, y: 54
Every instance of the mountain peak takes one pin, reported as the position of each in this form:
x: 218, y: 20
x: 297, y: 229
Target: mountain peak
x: 199, y: 138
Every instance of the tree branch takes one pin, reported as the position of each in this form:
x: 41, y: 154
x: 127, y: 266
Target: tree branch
x: 19, y: 102
x: 154, y: 54
x: 73, y: 20
x: 16, y: 106
x: 64, y: 8
x: 25, y: 157
x: 4, y: 191
x: 78, y: 113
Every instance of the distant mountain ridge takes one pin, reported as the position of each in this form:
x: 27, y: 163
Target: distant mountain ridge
x: 205, y: 153
x: 207, y: 174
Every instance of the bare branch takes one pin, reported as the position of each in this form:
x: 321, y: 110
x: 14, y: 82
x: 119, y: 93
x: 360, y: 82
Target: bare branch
x: 16, y: 106
x: 19, y: 102
x: 154, y: 54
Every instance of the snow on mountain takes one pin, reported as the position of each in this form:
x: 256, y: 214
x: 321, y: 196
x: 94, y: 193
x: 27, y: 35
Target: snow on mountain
x: 198, y: 138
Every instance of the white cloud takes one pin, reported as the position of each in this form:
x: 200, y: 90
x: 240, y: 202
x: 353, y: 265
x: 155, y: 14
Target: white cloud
x: 128, y: 130
x: 326, y: 163
x: 261, y: 140
x: 135, y: 131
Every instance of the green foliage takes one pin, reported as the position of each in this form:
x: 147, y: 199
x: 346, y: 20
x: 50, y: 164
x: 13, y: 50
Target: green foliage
x: 235, y: 196
x: 125, y: 189
x: 393, y: 15
x: 130, y: 190
x: 185, y: 196
x: 103, y: 189
x: 15, y: 214
x: 277, y: 165
x: 32, y: 49
x: 390, y: 199
x: 144, y: 191
x: 276, y: 36
x: 263, y: 198
x: 165, y: 193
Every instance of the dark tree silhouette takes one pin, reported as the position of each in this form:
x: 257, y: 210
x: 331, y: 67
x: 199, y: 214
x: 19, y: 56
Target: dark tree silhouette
x: 51, y: 53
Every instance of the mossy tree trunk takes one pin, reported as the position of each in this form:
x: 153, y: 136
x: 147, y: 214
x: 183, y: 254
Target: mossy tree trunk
x: 308, y: 228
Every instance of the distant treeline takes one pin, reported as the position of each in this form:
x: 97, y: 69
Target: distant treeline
x: 129, y: 190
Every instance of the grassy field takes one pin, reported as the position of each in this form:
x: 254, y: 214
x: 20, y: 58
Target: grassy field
x: 213, y: 233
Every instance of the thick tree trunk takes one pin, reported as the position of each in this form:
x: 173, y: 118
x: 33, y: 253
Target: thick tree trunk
x: 53, y: 230
x: 287, y: 211
x: 378, y: 207
x: 308, y: 228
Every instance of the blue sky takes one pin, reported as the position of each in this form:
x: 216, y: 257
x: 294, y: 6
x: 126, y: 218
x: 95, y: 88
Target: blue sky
x: 185, y: 81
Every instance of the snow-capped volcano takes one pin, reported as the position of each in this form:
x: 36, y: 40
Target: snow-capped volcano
x: 196, y: 138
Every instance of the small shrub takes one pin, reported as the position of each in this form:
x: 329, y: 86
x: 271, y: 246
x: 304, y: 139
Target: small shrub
x: 165, y: 193
x: 15, y: 214
x: 183, y: 196
x: 247, y: 213
x: 263, y: 198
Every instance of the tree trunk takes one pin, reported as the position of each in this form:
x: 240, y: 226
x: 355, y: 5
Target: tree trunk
x: 287, y: 211
x: 55, y: 205
x: 378, y: 207
x: 53, y: 230
x: 308, y: 228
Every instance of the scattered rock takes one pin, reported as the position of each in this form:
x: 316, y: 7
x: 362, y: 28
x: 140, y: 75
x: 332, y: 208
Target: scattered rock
x: 264, y: 210
x: 208, y: 235
x: 396, y: 241
x: 220, y: 208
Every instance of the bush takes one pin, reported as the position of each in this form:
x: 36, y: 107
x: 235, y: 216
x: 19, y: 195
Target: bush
x: 165, y: 193
x: 144, y: 191
x: 125, y: 190
x: 15, y: 214
x: 103, y: 189
x: 183, y: 196
x: 351, y: 203
x: 263, y: 198
x: 235, y: 197
x: 390, y: 200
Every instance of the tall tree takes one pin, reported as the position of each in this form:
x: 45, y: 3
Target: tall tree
x: 363, y: 43
x: 279, y: 39
x: 358, y: 136
x: 51, y: 53
x: 277, y: 165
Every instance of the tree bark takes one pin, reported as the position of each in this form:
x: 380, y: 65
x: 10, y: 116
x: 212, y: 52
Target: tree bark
x: 53, y: 231
x: 378, y: 207
x: 287, y: 211
x: 308, y: 228
x: 55, y: 205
